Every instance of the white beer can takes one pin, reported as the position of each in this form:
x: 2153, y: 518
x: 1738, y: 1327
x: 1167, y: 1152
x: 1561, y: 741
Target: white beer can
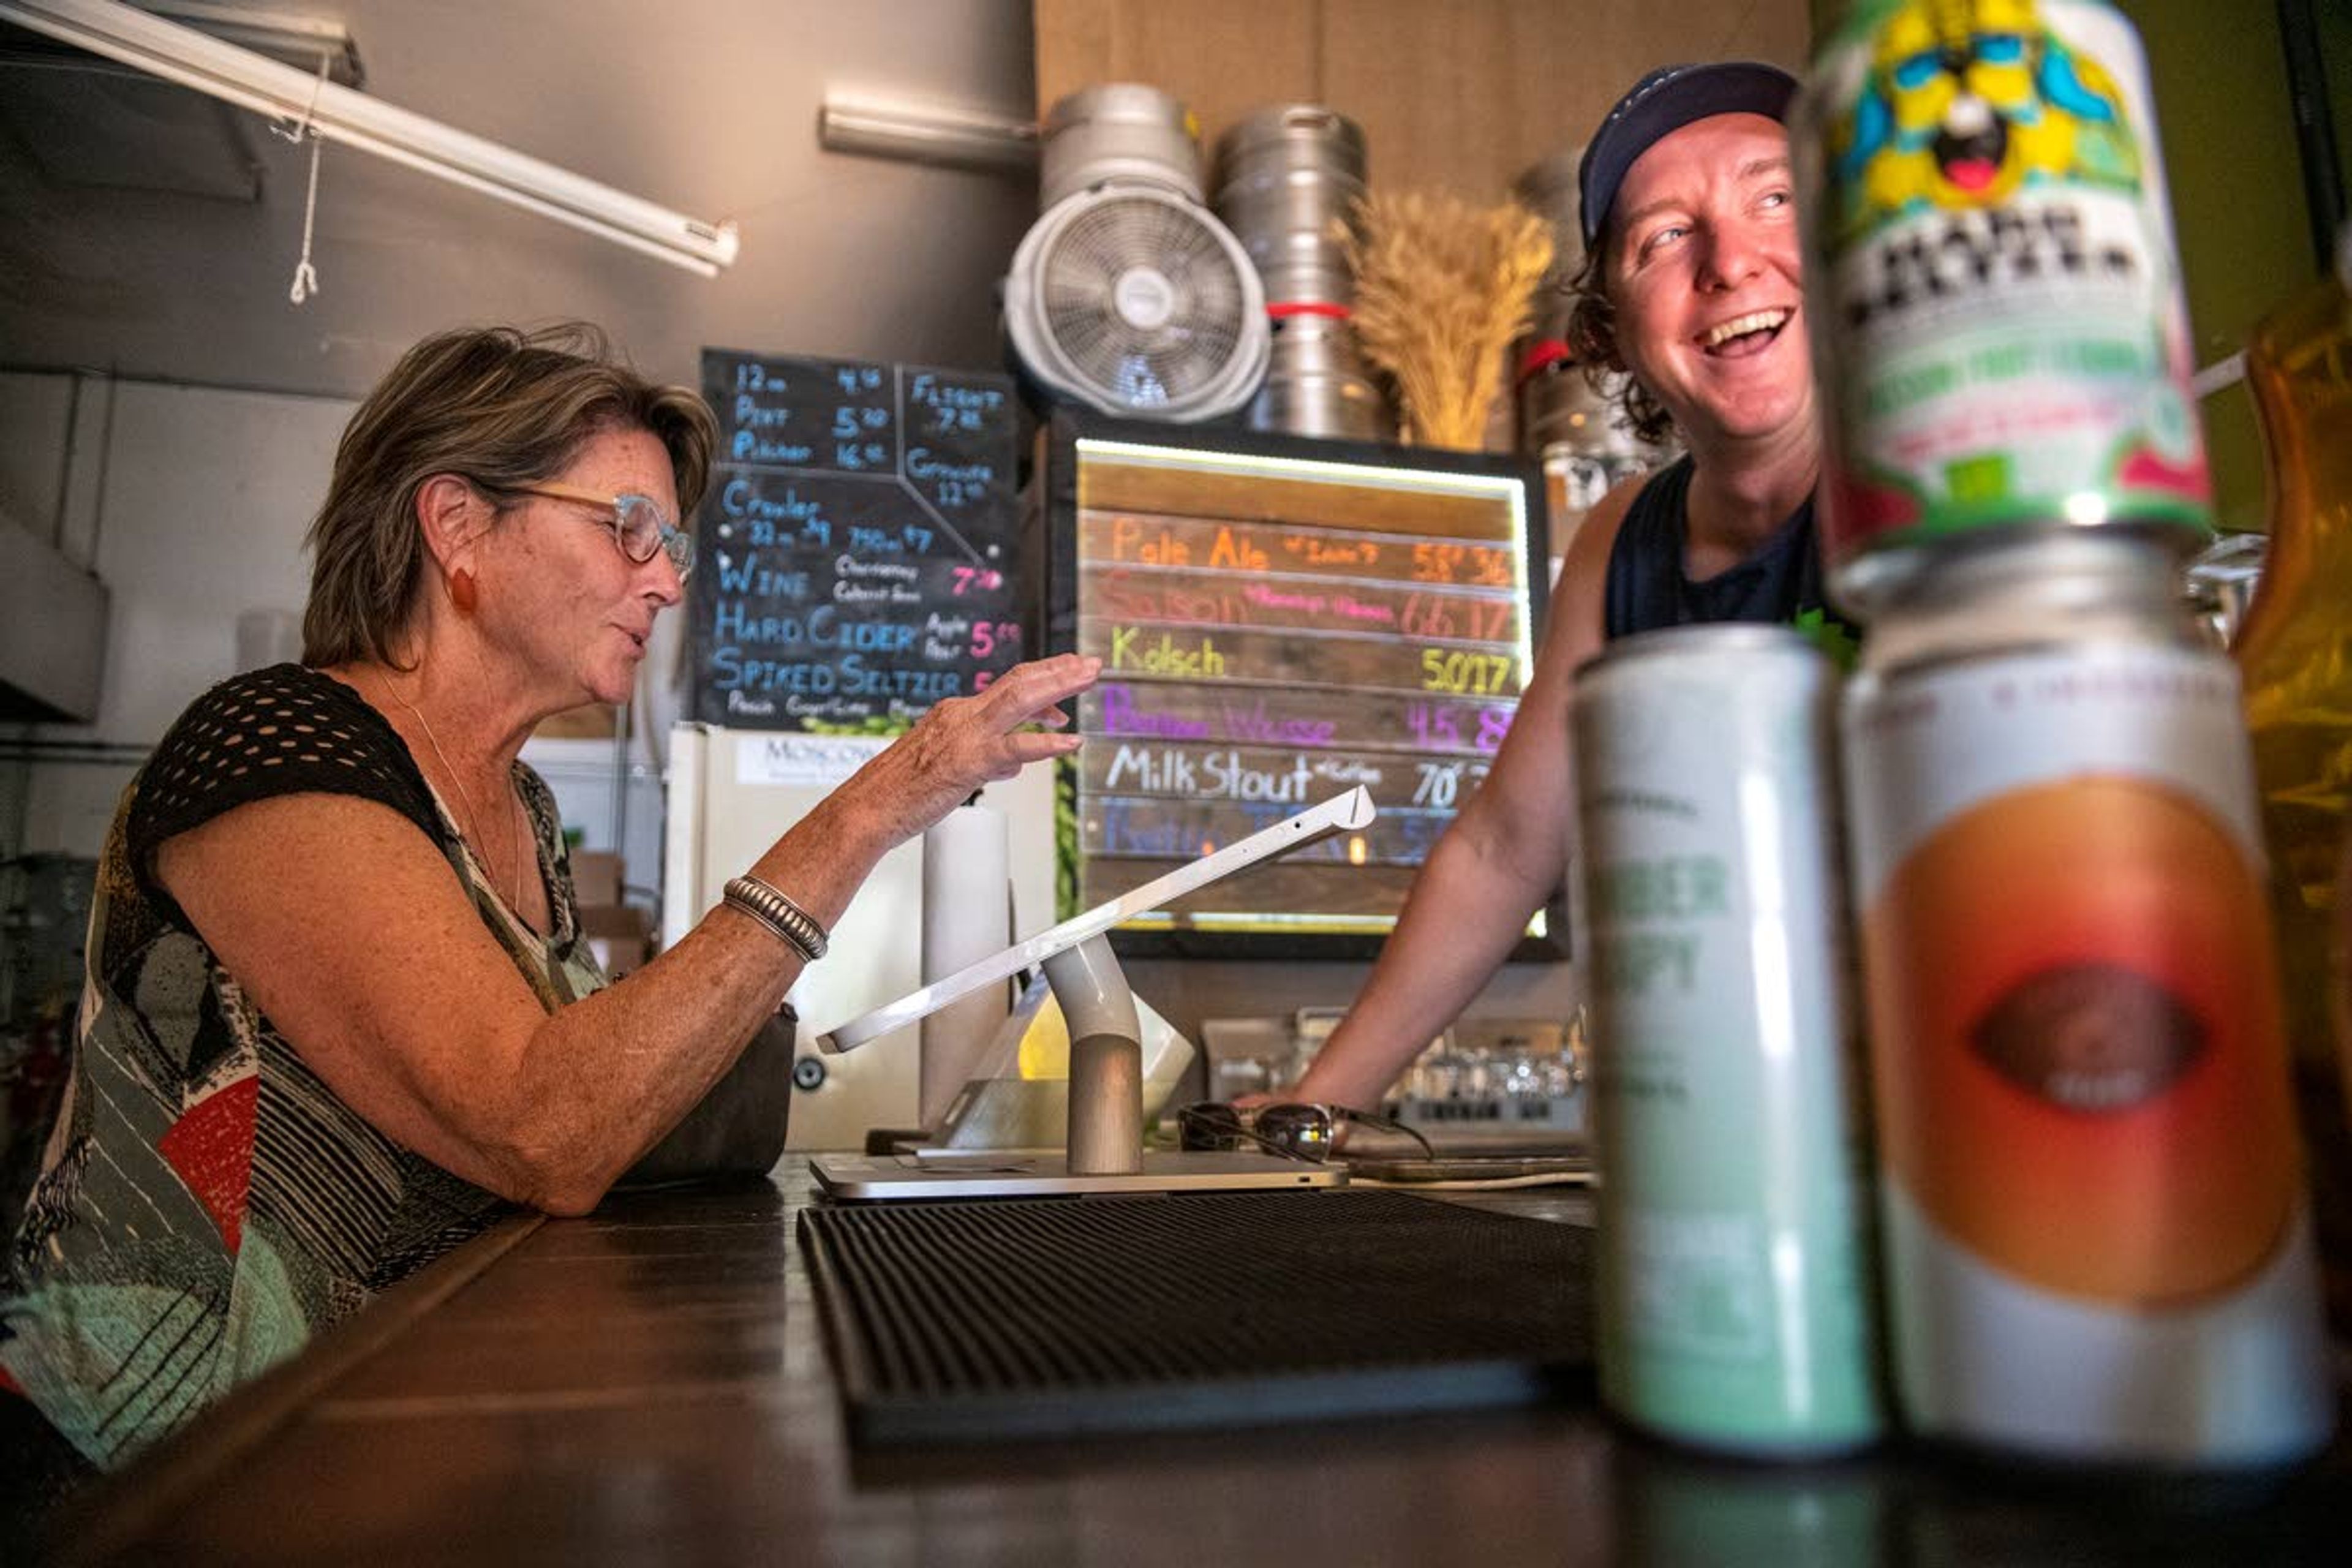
x: 1732, y: 1275
x: 2095, y: 1224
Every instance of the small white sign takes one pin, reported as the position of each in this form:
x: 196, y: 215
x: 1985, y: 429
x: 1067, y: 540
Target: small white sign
x: 783, y: 757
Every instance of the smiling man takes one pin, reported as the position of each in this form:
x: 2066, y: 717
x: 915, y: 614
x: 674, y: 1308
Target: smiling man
x: 1691, y: 284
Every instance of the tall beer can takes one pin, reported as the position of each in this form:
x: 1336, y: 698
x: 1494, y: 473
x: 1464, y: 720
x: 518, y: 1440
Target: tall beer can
x: 1732, y: 1271
x: 1992, y: 290
x: 2093, y: 1214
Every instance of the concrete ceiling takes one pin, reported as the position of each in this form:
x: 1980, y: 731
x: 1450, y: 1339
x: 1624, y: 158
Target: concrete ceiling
x: 154, y: 234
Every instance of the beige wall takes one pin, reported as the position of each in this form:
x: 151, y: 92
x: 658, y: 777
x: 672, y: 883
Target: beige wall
x: 1463, y: 94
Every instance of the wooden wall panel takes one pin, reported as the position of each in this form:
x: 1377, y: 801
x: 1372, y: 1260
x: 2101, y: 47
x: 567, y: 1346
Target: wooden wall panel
x: 1463, y: 94
x: 1433, y: 86
x: 1222, y: 58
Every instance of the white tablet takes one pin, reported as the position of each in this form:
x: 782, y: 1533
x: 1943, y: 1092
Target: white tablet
x: 1342, y: 814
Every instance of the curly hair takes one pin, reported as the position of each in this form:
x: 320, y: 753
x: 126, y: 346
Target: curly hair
x: 502, y: 407
x: 1592, y: 340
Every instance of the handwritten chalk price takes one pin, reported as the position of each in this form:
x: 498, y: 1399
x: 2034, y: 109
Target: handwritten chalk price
x: 987, y: 637
x: 1471, y: 674
x: 855, y: 574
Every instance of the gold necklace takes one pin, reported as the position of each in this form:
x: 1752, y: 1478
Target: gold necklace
x: 473, y: 823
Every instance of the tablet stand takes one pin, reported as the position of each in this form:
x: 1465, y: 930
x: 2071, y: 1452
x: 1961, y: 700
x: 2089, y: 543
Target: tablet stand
x: 1105, y: 1149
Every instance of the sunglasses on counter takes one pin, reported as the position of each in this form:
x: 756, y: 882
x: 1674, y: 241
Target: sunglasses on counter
x: 1294, y: 1131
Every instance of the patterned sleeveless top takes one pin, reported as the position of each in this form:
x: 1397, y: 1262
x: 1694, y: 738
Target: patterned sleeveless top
x: 205, y: 1202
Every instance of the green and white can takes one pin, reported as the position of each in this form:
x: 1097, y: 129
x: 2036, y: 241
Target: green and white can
x: 1992, y: 292
x: 1733, y: 1277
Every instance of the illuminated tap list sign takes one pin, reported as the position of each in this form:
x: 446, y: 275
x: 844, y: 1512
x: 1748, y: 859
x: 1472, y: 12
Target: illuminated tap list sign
x: 1275, y: 629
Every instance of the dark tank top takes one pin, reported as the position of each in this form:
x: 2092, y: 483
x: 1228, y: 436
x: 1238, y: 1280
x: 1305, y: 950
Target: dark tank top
x: 1646, y: 587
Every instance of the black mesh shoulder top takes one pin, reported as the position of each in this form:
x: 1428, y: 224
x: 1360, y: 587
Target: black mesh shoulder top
x: 281, y: 731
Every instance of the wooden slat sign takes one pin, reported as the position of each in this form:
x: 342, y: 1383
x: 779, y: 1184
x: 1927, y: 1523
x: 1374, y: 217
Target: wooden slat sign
x: 1268, y: 641
x: 857, y: 542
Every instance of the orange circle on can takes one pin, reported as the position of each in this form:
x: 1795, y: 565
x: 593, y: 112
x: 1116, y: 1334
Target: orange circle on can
x: 2079, y: 1068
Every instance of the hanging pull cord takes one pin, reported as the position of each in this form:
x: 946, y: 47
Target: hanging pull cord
x: 306, y: 277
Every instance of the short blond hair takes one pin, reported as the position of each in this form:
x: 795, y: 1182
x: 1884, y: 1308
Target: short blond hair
x: 501, y: 407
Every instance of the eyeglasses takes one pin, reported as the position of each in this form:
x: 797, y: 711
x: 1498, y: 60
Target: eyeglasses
x: 637, y: 523
x: 1294, y: 1131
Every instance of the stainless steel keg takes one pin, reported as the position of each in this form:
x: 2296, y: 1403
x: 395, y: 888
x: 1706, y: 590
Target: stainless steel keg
x: 1316, y: 385
x: 1119, y: 130
x: 1548, y: 189
x: 1287, y: 176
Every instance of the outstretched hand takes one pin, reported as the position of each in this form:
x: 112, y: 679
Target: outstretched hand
x: 963, y: 742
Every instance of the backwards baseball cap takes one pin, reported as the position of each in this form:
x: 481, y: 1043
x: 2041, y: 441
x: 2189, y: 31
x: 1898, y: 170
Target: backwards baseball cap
x: 1661, y: 103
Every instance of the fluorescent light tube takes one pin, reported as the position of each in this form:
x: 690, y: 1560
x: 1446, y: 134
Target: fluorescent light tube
x: 237, y: 76
x: 289, y: 37
x: 926, y: 133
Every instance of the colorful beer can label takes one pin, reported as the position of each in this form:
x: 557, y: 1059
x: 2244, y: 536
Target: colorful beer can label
x: 1732, y: 1278
x: 1993, y: 293
x: 2096, y: 1234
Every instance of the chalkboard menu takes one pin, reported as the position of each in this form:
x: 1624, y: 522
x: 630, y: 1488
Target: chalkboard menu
x: 857, y: 543
x: 1280, y: 620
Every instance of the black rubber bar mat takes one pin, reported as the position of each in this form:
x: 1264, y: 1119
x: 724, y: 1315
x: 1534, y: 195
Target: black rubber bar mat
x: 1056, y: 1317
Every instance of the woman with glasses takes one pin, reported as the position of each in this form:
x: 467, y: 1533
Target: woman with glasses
x: 339, y: 1010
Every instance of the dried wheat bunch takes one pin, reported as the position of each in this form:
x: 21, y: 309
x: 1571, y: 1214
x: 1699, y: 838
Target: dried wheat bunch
x: 1442, y: 288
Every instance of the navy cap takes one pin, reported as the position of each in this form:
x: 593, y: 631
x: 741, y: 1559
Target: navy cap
x: 1661, y: 103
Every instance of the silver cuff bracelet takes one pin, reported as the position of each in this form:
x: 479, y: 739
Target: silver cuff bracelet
x: 793, y: 924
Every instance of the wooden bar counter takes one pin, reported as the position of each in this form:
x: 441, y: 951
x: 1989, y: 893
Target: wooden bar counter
x: 650, y: 1385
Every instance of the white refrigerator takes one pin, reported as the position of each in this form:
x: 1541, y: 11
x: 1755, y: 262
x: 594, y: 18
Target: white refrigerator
x: 732, y: 792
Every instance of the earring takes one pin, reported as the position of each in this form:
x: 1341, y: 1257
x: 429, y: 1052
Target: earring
x: 461, y: 591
